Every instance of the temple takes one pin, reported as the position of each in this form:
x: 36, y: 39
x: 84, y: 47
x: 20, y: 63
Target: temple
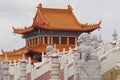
x: 50, y: 26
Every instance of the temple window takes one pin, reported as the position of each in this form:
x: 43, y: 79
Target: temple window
x: 71, y: 40
x: 63, y: 40
x: 51, y: 40
x: 55, y: 40
x: 36, y: 41
x: 30, y: 41
x: 40, y: 40
x: 46, y: 40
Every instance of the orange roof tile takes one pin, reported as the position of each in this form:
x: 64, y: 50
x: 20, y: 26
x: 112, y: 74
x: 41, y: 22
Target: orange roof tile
x: 22, y: 31
x: 19, y: 51
x: 58, y: 19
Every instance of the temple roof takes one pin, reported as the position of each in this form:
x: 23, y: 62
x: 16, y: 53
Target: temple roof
x: 17, y: 54
x: 57, y: 19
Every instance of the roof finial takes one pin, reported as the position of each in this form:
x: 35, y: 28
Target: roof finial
x: 100, y: 39
x: 115, y: 35
x: 2, y: 51
x: 6, y: 58
x: 23, y: 56
x: 40, y: 6
x: 70, y: 8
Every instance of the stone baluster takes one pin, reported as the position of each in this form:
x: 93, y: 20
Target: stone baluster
x: 66, y: 70
x: 117, y: 72
x: 29, y: 65
x: 63, y: 51
x: 23, y: 68
x: 6, y: 68
x: 32, y: 73
x: 76, y: 67
x: 15, y: 70
x: 18, y: 68
x: 43, y: 57
x: 1, y: 70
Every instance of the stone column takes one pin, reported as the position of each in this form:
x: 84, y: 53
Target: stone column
x: 48, y: 40
x: 23, y: 69
x: 67, y: 40
x: 6, y: 68
x: 51, y: 40
x: 75, y: 41
x: 59, y: 40
x: 43, y: 40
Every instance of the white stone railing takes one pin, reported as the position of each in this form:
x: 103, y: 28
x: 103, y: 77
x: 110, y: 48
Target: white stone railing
x: 112, y: 57
x: 40, y: 70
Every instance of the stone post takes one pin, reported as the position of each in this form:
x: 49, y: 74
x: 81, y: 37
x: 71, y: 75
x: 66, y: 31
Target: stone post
x: 6, y: 68
x: 55, y: 67
x: 55, y: 63
x: 117, y: 72
x: 29, y: 67
x: 66, y: 70
x: 1, y: 70
x: 76, y: 66
x: 43, y: 57
x: 23, y: 69
x: 15, y: 71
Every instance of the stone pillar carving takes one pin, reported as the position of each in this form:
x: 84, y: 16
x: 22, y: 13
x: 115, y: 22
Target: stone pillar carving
x: 87, y: 66
x: 6, y: 68
x: 55, y: 63
x: 23, y: 69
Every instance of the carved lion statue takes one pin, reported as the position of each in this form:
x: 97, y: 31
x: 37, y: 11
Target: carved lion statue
x: 86, y: 47
x: 50, y: 50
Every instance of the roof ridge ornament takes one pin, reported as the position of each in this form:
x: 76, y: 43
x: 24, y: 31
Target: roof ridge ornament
x: 40, y: 6
x: 115, y: 33
x: 70, y: 7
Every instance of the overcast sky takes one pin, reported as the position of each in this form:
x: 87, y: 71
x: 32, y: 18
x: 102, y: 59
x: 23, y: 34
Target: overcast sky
x: 20, y: 13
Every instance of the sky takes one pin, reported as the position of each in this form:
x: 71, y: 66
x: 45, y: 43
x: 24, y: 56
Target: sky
x: 20, y: 13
